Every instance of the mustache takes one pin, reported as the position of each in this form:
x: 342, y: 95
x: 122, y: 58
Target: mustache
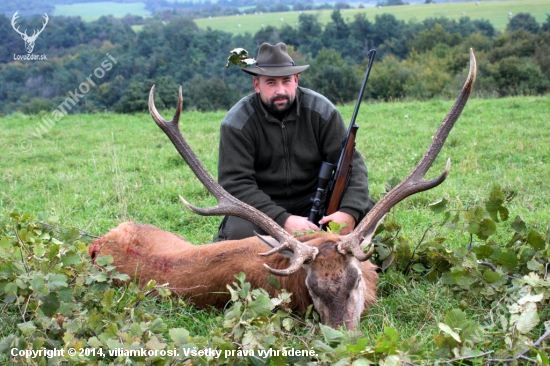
x: 280, y: 96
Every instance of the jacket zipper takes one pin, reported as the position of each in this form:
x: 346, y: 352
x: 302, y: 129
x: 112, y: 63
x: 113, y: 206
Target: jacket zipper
x: 287, y: 159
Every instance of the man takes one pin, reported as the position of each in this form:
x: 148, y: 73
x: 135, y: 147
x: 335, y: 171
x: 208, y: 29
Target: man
x: 272, y: 144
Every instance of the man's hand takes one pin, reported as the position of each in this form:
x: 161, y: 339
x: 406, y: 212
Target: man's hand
x: 341, y: 218
x: 299, y: 223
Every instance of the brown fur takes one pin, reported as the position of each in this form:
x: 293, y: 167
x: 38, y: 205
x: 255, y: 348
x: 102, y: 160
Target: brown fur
x: 201, y: 272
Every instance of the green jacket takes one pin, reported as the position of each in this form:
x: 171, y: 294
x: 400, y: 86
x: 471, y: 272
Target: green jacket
x: 269, y: 164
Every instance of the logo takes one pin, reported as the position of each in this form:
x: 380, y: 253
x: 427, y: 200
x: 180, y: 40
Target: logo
x: 29, y: 40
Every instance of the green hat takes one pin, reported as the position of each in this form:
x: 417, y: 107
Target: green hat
x: 274, y: 61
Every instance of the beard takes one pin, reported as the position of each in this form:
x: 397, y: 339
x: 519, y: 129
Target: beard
x: 279, y: 107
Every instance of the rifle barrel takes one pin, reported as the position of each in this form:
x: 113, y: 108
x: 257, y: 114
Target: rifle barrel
x: 370, y: 55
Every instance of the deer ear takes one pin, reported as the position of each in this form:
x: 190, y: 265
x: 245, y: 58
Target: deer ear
x: 273, y: 243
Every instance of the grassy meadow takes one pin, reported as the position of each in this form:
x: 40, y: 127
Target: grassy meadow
x: 94, y: 10
x: 494, y: 11
x: 95, y: 171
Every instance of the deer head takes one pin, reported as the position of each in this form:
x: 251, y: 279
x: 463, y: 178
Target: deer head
x: 333, y: 264
x: 29, y: 40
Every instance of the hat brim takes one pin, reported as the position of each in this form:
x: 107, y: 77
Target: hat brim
x: 275, y: 71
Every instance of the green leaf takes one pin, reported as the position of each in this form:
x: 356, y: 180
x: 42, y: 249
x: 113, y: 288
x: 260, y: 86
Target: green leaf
x: 239, y: 57
x: 70, y: 259
x: 38, y: 250
x: 108, y: 297
x: 261, y: 306
x: 331, y: 336
x: 104, y: 260
x: 359, y: 346
x: 158, y: 326
x: 99, y: 277
x: 483, y: 251
x: 154, y: 343
x: 383, y: 251
x: 534, y: 265
x: 57, y: 281
x: 455, y: 318
x: 503, y: 213
x: 387, y: 343
x: 519, y: 225
x: 120, y: 276
x: 439, y: 206
x: 27, y: 328
x: 179, y: 336
x: 494, y: 203
x: 528, y: 319
x: 536, y: 240
x: 38, y: 285
x: 446, y: 329
x: 7, y: 343
x: 474, y: 214
x: 486, y: 228
x: 274, y: 282
x: 508, y: 259
x: 494, y: 276
x: 49, y: 305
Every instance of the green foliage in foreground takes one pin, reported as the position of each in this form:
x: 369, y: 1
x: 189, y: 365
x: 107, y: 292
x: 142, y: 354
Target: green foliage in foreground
x: 436, y: 301
x: 55, y: 298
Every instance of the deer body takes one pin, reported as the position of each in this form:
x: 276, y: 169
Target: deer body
x: 201, y: 273
x: 330, y: 271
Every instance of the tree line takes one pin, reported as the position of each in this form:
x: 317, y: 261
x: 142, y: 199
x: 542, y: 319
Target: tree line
x: 415, y: 60
x: 167, y: 9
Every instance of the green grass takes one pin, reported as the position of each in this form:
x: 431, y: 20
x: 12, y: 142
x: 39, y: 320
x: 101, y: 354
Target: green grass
x: 92, y: 11
x: 95, y: 171
x: 494, y: 11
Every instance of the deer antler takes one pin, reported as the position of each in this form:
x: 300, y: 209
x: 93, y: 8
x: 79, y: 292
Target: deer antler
x: 24, y: 34
x: 414, y: 183
x: 227, y: 204
x: 36, y: 33
x: 13, y: 21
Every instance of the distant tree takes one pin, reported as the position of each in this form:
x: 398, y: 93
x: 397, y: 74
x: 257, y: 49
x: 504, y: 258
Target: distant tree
x: 37, y: 105
x: 361, y: 28
x: 525, y: 21
x: 337, y: 29
x: 330, y: 75
x: 520, y: 44
x: 485, y: 27
x: 309, y: 30
x: 210, y: 95
x: 289, y: 35
x: 389, y: 35
x: 546, y: 25
x: 342, y: 5
x: 391, y: 3
x: 514, y: 76
x: 279, y: 7
x: 268, y: 34
x: 387, y: 27
x: 427, y: 40
x: 134, y: 98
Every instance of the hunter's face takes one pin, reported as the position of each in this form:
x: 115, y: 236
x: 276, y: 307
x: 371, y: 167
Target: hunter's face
x: 277, y: 93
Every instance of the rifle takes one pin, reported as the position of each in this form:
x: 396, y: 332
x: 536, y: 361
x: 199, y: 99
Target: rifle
x: 335, y: 181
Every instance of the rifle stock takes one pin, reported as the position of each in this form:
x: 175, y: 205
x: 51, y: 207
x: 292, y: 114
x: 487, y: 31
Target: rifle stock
x: 337, y: 186
x: 342, y: 175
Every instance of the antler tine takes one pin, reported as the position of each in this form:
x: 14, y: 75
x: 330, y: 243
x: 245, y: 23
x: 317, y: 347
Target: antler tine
x: 413, y: 183
x: 227, y: 204
x: 14, y: 20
